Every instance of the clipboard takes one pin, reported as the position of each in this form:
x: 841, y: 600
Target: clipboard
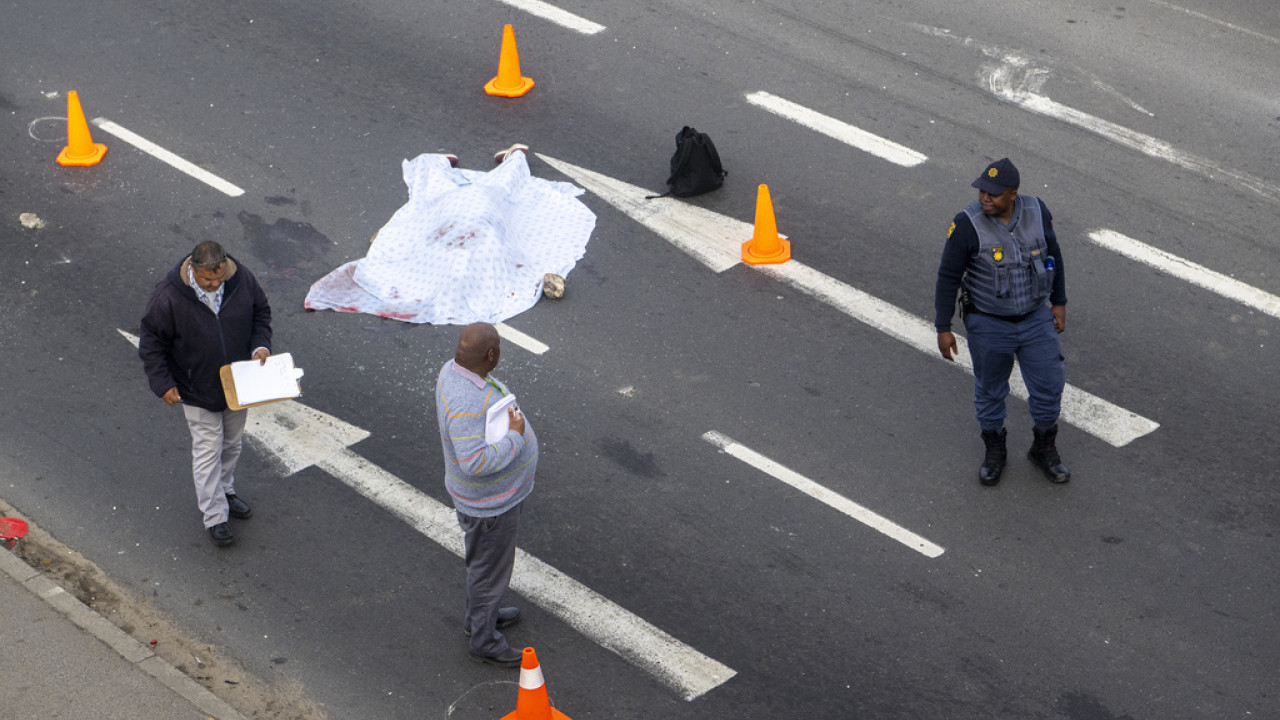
x: 497, y: 423
x: 260, y: 384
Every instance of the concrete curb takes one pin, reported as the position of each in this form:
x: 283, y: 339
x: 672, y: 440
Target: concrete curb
x: 128, y: 647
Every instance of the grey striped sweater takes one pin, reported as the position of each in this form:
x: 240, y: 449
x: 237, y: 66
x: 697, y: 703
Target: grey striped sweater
x: 484, y: 480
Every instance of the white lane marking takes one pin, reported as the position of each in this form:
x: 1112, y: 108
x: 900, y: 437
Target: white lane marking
x: 680, y: 667
x: 711, y: 238
x: 512, y: 335
x: 299, y: 436
x: 554, y: 14
x: 716, y: 241
x: 1102, y: 419
x: 818, y: 492
x: 1016, y: 80
x: 165, y: 156
x: 1215, y: 21
x: 1183, y: 269
x: 838, y: 130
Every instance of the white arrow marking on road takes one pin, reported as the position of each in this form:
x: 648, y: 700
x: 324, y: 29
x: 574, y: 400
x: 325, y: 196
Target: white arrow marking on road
x: 823, y: 494
x: 299, y: 436
x: 716, y: 241
x: 838, y: 130
x: 563, y: 18
x: 165, y: 156
x: 1183, y: 269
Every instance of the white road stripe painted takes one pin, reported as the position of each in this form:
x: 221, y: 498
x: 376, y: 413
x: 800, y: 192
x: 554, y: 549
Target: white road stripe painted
x: 163, y: 155
x: 1014, y: 79
x: 676, y: 665
x: 299, y: 436
x: 838, y: 130
x: 711, y: 238
x: 1183, y: 269
x: 1216, y: 21
x: 716, y: 241
x: 514, y: 336
x: 554, y: 14
x: 818, y: 492
x: 1100, y: 418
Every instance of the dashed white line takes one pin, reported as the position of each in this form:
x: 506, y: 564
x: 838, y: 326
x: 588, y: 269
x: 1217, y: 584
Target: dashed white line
x: 838, y: 130
x: 822, y: 494
x: 165, y: 156
x: 1183, y: 269
x: 514, y: 336
x: 716, y: 241
x: 563, y: 18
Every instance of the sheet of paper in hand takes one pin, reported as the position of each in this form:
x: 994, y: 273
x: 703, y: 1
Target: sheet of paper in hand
x: 250, y: 382
x: 497, y: 423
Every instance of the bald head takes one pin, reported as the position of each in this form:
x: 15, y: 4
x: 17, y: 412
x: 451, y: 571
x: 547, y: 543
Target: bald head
x: 478, y: 348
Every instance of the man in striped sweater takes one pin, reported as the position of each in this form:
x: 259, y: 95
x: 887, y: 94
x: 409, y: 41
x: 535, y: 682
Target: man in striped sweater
x: 488, y: 484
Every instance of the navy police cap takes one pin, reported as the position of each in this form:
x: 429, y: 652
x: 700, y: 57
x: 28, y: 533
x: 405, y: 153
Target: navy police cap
x: 998, y: 176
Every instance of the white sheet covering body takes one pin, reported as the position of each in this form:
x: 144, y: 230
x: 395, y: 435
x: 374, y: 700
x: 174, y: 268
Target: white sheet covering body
x: 468, y: 246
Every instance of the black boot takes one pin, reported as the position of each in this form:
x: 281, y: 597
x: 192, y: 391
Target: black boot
x: 993, y: 463
x: 1044, y: 453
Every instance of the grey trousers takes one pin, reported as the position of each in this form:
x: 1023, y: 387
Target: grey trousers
x: 490, y: 544
x: 216, y: 439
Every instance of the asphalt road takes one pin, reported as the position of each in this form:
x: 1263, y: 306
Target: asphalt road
x: 1141, y: 589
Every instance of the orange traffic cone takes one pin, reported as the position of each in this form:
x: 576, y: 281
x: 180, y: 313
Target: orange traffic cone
x: 532, y: 703
x: 765, y: 247
x: 509, y: 82
x: 81, y: 150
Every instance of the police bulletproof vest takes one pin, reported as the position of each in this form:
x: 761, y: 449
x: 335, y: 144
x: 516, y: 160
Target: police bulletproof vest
x: 1009, y: 276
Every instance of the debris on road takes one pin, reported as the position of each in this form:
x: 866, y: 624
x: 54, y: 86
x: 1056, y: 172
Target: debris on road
x: 553, y: 286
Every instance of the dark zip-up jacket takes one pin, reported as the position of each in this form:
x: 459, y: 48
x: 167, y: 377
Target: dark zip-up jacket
x: 183, y: 343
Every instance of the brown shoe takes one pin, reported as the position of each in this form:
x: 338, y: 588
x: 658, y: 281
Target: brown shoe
x: 501, y: 155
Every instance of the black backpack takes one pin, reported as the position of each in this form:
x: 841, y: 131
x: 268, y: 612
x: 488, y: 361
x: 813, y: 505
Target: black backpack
x: 695, y: 168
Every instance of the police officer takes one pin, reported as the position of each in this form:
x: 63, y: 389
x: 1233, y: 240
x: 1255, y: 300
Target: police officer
x: 1003, y: 257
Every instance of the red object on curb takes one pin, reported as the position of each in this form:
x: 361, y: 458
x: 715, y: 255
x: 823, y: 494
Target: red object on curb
x: 12, y: 528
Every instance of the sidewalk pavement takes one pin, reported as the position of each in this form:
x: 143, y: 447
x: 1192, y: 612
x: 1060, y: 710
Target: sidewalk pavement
x: 60, y: 659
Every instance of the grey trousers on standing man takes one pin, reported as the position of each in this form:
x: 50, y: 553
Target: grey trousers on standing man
x: 490, y: 544
x: 216, y: 439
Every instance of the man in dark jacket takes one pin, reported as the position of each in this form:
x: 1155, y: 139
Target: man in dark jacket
x: 208, y: 311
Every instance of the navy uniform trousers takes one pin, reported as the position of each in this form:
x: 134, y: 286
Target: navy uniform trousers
x: 993, y: 345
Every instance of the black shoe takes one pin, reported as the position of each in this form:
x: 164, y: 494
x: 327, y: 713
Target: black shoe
x: 1044, y: 453
x: 510, y: 658
x: 238, y: 508
x: 221, y: 535
x: 507, y: 617
x: 993, y: 463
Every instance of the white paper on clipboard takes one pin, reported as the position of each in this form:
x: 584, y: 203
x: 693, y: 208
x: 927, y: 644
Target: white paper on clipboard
x: 497, y: 423
x: 257, y: 382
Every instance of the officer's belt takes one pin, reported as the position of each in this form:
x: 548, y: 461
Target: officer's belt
x: 973, y: 310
